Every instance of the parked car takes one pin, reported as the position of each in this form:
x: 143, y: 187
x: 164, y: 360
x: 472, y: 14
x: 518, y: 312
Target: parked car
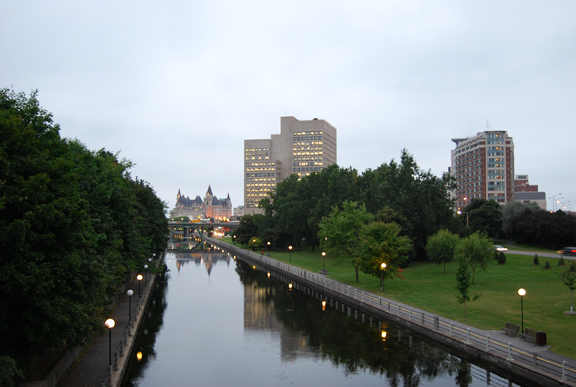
x: 567, y: 251
x: 499, y: 248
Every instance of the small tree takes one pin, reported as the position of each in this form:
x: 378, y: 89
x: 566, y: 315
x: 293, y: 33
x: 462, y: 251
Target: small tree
x: 442, y: 246
x: 536, y: 260
x: 501, y: 258
x: 463, y: 282
x: 546, y: 265
x: 569, y: 278
x: 477, y: 250
x: 561, y: 261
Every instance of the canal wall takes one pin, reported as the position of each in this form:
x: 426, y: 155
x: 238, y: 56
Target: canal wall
x: 520, y: 362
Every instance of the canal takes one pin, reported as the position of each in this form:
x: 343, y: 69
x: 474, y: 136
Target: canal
x: 216, y: 321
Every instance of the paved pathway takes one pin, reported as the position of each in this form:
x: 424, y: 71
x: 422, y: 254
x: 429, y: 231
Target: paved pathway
x: 91, y: 368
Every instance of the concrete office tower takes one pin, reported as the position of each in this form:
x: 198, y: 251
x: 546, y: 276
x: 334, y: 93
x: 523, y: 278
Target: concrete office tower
x: 484, y: 167
x: 302, y: 148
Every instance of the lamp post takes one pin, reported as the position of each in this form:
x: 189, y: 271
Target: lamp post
x: 522, y: 293
x: 234, y: 240
x: 324, y: 259
x: 382, y: 267
x: 290, y: 248
x: 110, y: 324
x: 129, y: 293
x: 146, y: 273
x: 460, y: 213
x: 139, y: 278
x: 554, y: 201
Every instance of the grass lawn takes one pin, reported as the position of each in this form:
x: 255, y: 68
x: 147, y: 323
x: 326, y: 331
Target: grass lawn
x: 426, y: 287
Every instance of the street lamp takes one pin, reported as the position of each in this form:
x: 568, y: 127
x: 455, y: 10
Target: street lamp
x: 554, y: 201
x: 382, y: 267
x: 234, y: 240
x: 324, y: 259
x: 290, y: 248
x: 110, y: 324
x: 460, y: 213
x: 129, y: 293
x: 522, y: 293
x: 146, y: 272
x: 139, y: 278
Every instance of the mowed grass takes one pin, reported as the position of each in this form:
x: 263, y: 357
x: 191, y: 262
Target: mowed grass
x: 425, y: 286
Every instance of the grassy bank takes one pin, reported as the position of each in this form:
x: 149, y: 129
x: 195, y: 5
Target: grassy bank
x: 426, y: 287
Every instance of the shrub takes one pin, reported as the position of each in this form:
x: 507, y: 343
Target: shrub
x: 546, y: 265
x: 536, y: 260
x: 501, y: 258
x: 561, y: 261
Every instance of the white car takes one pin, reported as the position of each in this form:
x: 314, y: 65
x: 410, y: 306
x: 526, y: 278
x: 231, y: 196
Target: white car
x: 499, y: 248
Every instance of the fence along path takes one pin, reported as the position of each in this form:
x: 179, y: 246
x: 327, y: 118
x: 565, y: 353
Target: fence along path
x: 563, y: 370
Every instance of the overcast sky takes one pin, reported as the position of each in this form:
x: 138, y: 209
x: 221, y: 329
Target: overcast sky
x: 176, y: 86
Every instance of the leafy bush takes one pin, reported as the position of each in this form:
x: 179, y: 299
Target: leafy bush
x: 536, y: 260
x: 501, y: 258
x: 546, y: 265
x: 8, y: 371
x: 561, y: 261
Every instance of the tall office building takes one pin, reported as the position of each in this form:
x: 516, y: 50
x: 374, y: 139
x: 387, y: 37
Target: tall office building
x: 484, y: 167
x: 301, y: 148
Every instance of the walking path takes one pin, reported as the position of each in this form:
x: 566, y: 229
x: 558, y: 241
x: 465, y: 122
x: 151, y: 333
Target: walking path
x: 91, y: 368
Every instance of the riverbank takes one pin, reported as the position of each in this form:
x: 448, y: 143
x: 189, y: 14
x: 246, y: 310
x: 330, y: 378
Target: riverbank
x: 88, y: 366
x: 519, y: 359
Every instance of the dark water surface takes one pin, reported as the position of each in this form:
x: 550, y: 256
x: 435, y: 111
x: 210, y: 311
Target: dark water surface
x: 220, y: 322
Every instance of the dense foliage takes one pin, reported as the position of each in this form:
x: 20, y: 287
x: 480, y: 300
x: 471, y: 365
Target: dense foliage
x: 416, y: 200
x: 73, y: 225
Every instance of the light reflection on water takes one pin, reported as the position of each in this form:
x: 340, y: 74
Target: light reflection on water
x: 219, y: 322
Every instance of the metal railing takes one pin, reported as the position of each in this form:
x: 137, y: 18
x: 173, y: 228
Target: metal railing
x: 127, y: 332
x: 426, y: 320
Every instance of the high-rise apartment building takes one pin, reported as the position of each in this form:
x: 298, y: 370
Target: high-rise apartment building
x: 302, y: 148
x: 484, y: 167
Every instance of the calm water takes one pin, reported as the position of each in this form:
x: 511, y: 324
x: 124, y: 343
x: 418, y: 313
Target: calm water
x: 219, y: 322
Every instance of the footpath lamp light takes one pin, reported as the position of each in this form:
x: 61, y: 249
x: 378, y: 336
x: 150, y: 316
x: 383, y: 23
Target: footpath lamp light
x: 290, y: 248
x: 139, y: 278
x: 234, y: 240
x: 460, y: 213
x: 522, y: 293
x: 129, y: 293
x: 110, y: 324
x: 324, y: 259
x: 146, y: 273
x: 382, y: 267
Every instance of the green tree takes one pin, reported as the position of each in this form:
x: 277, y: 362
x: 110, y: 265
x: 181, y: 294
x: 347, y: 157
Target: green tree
x: 568, y: 277
x: 441, y: 247
x: 485, y: 216
x: 246, y: 230
x: 476, y: 250
x: 514, y: 210
x: 340, y: 232
x: 381, y: 243
x: 418, y: 196
x: 463, y: 282
x: 73, y: 223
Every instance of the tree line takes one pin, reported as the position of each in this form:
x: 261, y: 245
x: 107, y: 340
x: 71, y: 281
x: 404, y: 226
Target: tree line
x: 74, y: 224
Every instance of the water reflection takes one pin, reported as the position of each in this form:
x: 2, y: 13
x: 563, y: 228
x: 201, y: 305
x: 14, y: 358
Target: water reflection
x: 357, y: 343
x: 193, y: 335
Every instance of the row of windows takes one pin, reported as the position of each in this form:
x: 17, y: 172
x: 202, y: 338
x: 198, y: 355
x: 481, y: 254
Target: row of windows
x: 311, y: 153
x: 307, y: 164
x: 263, y: 174
x: 307, y: 133
x: 308, y: 169
x: 304, y: 148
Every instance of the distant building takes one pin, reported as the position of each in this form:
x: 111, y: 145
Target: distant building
x: 526, y: 193
x: 521, y: 184
x: 210, y: 207
x: 532, y: 197
x: 302, y: 148
x: 484, y: 167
